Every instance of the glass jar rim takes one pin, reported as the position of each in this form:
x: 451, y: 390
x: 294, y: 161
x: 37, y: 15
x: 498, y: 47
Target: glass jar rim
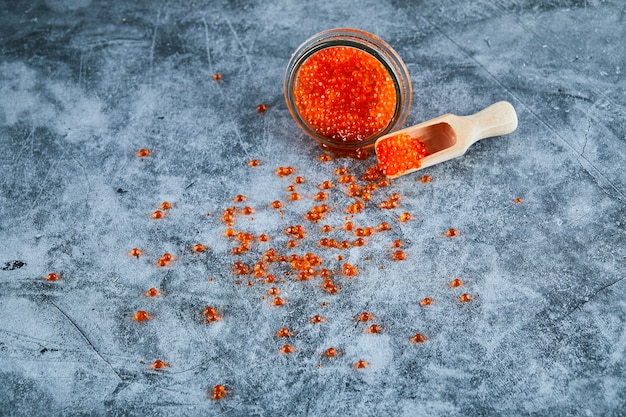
x: 368, y: 43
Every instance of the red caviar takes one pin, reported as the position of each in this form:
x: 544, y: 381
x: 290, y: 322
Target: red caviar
x: 426, y: 301
x: 141, y: 315
x: 331, y: 352
x: 261, y: 108
x: 349, y: 270
x: 198, y: 248
x: 345, y: 94
x: 317, y: 319
x: 143, y: 152
x: 53, y: 277
x: 451, y: 232
x: 284, y: 171
x: 159, y: 364
x: 360, y: 364
x: 364, y: 316
x: 518, y: 200
x: 399, y: 153
x: 218, y: 392
x: 464, y: 298
x: 166, y: 205
x: 284, y: 332
x: 398, y: 255
x: 425, y: 179
x: 158, y: 214
x: 375, y: 328
x: 254, y: 163
x: 153, y: 292
x: 287, y: 349
x: 325, y: 157
x: 217, y: 76
x: 418, y: 338
x: 456, y: 282
x: 136, y: 252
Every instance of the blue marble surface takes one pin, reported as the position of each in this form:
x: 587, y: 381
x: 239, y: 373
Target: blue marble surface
x: 85, y: 84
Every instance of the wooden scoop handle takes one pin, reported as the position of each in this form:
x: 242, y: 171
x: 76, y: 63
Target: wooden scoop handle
x: 496, y: 120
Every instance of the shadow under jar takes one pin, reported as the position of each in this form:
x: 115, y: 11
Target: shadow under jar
x: 345, y: 88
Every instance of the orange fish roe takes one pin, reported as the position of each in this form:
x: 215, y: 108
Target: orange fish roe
x: 287, y: 349
x: 325, y: 157
x: 52, y: 277
x: 451, y: 232
x: 405, y: 217
x: 261, y: 108
x: 329, y: 286
x: 218, y: 392
x: 254, y: 163
x: 239, y: 198
x: 299, y: 180
x: 317, y: 319
x: 294, y: 197
x: 165, y: 260
x: 398, y: 255
x: 360, y: 364
x: 355, y: 207
x: 276, y: 204
x: 284, y: 332
x: 418, y: 338
x: 142, y: 153
x: 397, y: 243
x: 136, y: 252
x: 277, y: 301
x: 296, y: 231
x: 349, y: 270
x: 158, y: 214
x: 291, y: 188
x: 383, y: 226
x: 465, y: 298
x: 240, y: 269
x: 141, y: 315
x: 320, y: 196
x: 284, y: 171
x: 331, y: 352
x: 326, y: 185
x: 456, y: 282
x: 399, y: 153
x: 166, y: 205
x: 153, y: 292
x: 375, y: 328
x: 217, y: 76
x: 518, y: 200
x: 159, y: 364
x: 211, y: 314
x: 365, y: 316
x: 345, y: 94
x: 426, y: 301
x: 425, y: 179
x: 198, y: 248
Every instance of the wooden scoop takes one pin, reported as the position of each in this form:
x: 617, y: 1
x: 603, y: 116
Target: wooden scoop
x: 449, y: 136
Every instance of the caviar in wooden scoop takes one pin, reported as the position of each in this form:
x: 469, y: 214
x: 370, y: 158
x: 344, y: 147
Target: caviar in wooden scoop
x: 441, y: 139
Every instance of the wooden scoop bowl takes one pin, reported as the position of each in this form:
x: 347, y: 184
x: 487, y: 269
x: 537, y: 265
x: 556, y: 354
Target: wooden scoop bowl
x: 449, y: 136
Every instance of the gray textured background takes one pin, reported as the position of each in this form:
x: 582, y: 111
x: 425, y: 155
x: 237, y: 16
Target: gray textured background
x: 85, y: 84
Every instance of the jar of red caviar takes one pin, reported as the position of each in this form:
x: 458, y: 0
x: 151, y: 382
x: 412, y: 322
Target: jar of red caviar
x: 345, y: 88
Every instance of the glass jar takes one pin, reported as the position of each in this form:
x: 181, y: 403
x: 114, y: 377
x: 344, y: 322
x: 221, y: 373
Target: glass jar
x: 345, y: 88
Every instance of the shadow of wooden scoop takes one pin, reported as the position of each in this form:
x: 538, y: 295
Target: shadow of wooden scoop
x: 441, y: 139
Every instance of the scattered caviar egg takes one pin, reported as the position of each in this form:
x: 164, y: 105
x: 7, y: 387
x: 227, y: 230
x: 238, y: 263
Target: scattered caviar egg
x: 426, y: 301
x: 136, y: 252
x: 239, y: 198
x: 261, y: 108
x: 326, y: 185
x: 254, y: 163
x: 153, y: 292
x: 359, y: 242
x: 218, y: 392
x: 141, y: 315
x: 340, y: 258
x: 345, y: 94
x: 217, y: 76
x: 277, y: 301
x: 317, y: 319
x: 399, y: 153
x: 320, y: 196
x: 198, y: 248
x: 349, y: 270
x: 287, y: 349
x: 263, y: 237
x: 276, y: 204
x: 291, y: 243
x: 356, y: 207
x: 166, y: 205
x: 294, y: 196
x: 465, y: 298
x: 456, y: 282
x: 325, y: 157
x: 418, y: 338
x: 425, y: 179
x: 159, y: 364
x: 247, y: 210
x: 299, y: 180
x: 284, y: 171
x: 397, y: 243
x: 326, y: 228
x: 405, y: 217
x: 143, y: 152
x: 240, y: 269
x: 346, y: 179
x: 158, y: 214
x: 230, y: 232
x: 329, y: 286
x: 331, y: 352
x: 360, y: 364
x: 211, y: 314
x: 284, y: 332
x: 165, y: 259
x: 291, y: 188
x: 269, y: 279
x: 451, y: 232
x: 53, y: 277
x: 375, y: 328
x: 273, y: 291
x: 365, y: 316
x: 518, y: 200
x: 398, y: 255
x: 383, y: 226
